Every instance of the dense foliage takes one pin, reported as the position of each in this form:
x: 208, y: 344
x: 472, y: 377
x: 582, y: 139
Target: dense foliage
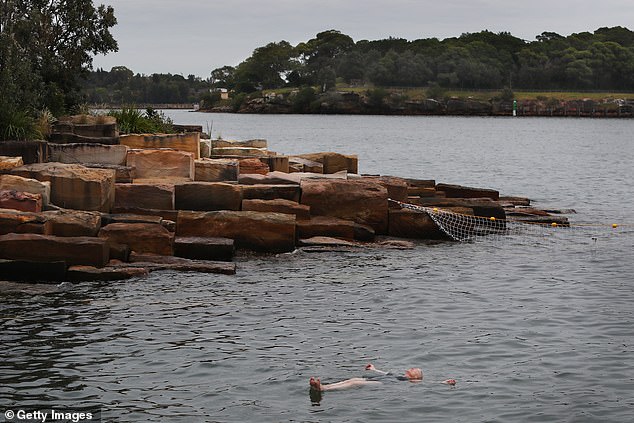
x: 45, y: 46
x: 133, y: 121
x: 603, y: 60
x: 121, y: 86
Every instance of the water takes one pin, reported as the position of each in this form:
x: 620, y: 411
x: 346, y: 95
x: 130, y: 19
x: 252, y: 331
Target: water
x: 535, y: 327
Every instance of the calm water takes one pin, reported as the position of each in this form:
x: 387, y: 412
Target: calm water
x: 535, y: 327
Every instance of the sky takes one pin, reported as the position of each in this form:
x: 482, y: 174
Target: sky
x: 196, y: 36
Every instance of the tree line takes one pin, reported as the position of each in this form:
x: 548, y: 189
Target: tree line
x: 602, y: 60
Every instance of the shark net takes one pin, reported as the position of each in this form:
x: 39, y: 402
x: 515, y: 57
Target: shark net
x: 461, y: 227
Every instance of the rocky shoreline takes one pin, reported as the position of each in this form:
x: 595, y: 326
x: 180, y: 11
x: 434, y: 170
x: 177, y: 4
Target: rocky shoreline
x: 93, y: 211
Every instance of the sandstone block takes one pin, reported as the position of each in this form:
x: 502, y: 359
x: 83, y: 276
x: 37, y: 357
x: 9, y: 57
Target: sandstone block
x: 104, y: 274
x: 8, y: 163
x: 123, y: 174
x: 164, y: 214
x: 397, y: 188
x: 255, y: 143
x: 319, y: 226
x: 277, y: 163
x: 301, y: 211
x: 238, y: 152
x: 334, y: 162
x: 362, y: 201
x: 271, y: 192
x: 74, y: 186
x: 199, y: 248
x: 305, y: 165
x: 13, y: 221
x: 413, y: 224
x: 22, y: 201
x: 188, y: 142
x: 107, y: 219
x: 253, y: 166
x: 73, y: 222
x: 208, y: 196
x: 30, y: 151
x: 144, y: 196
x: 140, y: 237
x: 216, y: 170
x: 88, y: 153
x: 73, y: 250
x: 18, y: 183
x: 161, y: 164
x: 271, y: 178
x: 270, y: 232
x: 155, y: 262
x: 458, y: 191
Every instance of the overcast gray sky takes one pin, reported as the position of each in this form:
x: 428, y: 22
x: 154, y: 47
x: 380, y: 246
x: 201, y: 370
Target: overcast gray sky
x: 196, y: 36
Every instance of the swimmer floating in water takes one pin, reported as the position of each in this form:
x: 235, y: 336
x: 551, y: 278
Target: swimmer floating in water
x: 413, y: 375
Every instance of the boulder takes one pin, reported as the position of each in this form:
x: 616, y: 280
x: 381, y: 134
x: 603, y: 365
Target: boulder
x: 70, y: 138
x: 199, y: 248
x: 33, y: 271
x: 276, y: 163
x: 88, y: 153
x: 66, y: 222
x: 319, y: 226
x: 73, y: 250
x: 255, y: 143
x: 271, y: 192
x: 107, y: 219
x: 8, y: 163
x: 164, y: 214
x: 271, y: 178
x: 269, y: 232
x: 458, y: 191
x: 156, y: 262
x: 87, y: 125
x: 104, y: 274
x: 363, y: 201
x: 406, y: 223
x: 397, y: 188
x: 216, y: 170
x: 238, y: 152
x: 13, y: 221
x: 188, y: 142
x: 123, y: 174
x: 140, y: 237
x: 159, y: 164
x: 253, y: 166
x: 301, y: 211
x: 18, y: 183
x: 334, y: 162
x: 74, y: 186
x: 144, y: 196
x: 22, y: 201
x: 207, y: 196
x: 305, y: 165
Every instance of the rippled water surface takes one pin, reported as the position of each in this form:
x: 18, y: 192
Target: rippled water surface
x: 537, y: 326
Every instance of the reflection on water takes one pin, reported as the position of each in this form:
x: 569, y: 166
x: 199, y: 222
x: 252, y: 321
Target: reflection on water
x: 534, y: 326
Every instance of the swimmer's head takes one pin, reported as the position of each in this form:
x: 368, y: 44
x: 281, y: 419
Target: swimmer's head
x: 414, y: 374
x: 370, y: 366
x: 315, y: 383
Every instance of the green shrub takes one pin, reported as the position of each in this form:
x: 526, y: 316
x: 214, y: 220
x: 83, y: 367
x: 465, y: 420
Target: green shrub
x: 133, y: 121
x: 18, y: 125
x: 436, y: 92
x: 301, y: 102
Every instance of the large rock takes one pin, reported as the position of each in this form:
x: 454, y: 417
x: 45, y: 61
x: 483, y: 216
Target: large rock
x: 301, y: 211
x: 18, y: 183
x: 360, y: 200
x: 74, y: 186
x: 22, y: 201
x: 145, y: 196
x: 88, y: 153
x: 13, y: 221
x: 397, y: 188
x: 334, y: 162
x: 165, y: 214
x: 140, y: 237
x: 161, y: 164
x: 8, y: 163
x: 271, y: 178
x: 208, y: 248
x: 87, y: 126
x: 458, y: 191
x: 73, y: 222
x: 300, y: 164
x: 104, y: 274
x: 238, y: 152
x: 270, y: 232
x: 255, y: 143
x: 216, y: 170
x: 253, y: 166
x: 277, y: 163
x: 123, y: 174
x: 406, y: 223
x: 189, y: 142
x: 271, y: 192
x: 73, y: 250
x: 208, y: 196
x: 319, y: 226
x: 154, y: 262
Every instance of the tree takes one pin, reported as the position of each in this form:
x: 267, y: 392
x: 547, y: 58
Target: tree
x: 55, y: 41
